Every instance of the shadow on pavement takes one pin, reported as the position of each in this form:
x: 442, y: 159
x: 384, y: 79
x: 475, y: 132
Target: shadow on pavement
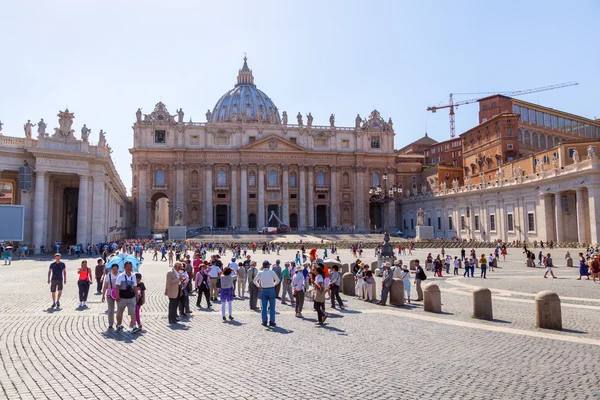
x: 178, y: 327
x: 277, y: 329
x: 124, y: 336
x: 574, y: 331
x: 501, y: 321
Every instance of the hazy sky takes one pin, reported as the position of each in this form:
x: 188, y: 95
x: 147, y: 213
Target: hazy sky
x: 104, y: 59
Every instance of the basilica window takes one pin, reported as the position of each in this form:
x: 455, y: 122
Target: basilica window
x: 293, y: 180
x: 159, y: 177
x: 345, y: 144
x: 221, y: 178
x: 252, y: 179
x: 346, y: 180
x: 542, y: 141
x: 375, y: 142
x: 194, y: 178
x: 375, y: 180
x: 534, y: 139
x: 527, y: 138
x: 550, y: 142
x: 272, y: 178
x: 320, y: 178
x: 159, y: 137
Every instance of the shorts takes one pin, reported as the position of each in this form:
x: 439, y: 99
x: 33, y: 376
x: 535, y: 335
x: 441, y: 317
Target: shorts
x: 129, y: 303
x: 548, y: 269
x: 54, y: 285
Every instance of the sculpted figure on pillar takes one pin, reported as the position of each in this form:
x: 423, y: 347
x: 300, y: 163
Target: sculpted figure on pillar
x: 85, y: 133
x: 575, y: 156
x: 299, y: 117
x: 592, y: 153
x: 284, y: 118
x: 332, y: 120
x: 272, y: 116
x: 41, y: 128
x: 357, y: 121
x: 138, y: 115
x: 555, y: 161
x: 455, y: 184
x: 208, y: 116
x: 180, y: 116
x: 178, y: 215
x: 27, y: 127
x: 309, y: 120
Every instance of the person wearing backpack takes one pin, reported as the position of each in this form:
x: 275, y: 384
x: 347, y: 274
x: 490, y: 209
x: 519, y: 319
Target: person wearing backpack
x: 419, y: 276
x: 202, y: 280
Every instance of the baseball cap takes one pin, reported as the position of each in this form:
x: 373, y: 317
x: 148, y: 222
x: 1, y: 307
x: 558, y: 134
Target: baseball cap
x: 266, y: 263
x: 286, y: 263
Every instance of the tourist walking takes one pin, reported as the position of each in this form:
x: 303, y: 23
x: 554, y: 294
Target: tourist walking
x: 83, y: 283
x: 241, y: 280
x: 173, y: 290
x: 298, y: 290
x: 319, y: 299
x: 358, y: 279
x: 126, y: 297
x: 406, y: 281
x: 490, y: 260
x: 483, y: 265
x: 110, y: 283
x: 277, y: 270
x: 386, y: 283
x: 202, y: 281
x: 141, y: 297
x: 595, y: 267
x: 369, y: 283
x: 335, y: 281
x: 57, y: 277
x: 286, y: 279
x: 252, y: 288
x: 549, y: 265
x: 227, y: 292
x: 583, y: 268
x: 456, y: 265
x: 215, y: 273
x: 266, y: 280
x: 99, y: 273
x: 419, y: 277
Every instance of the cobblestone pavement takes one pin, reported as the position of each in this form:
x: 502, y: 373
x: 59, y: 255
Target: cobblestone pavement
x: 366, y: 351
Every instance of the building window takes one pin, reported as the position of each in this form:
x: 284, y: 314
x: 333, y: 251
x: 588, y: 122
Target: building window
x: 476, y: 219
x: 565, y: 203
x: 251, y: 139
x: 375, y: 142
x: 530, y: 222
x: 321, y: 196
x: 561, y: 123
x: 252, y: 179
x: 516, y: 109
x: 404, y: 224
x: 532, y: 116
x: 251, y: 195
x: 525, y: 114
x: 293, y: 179
x: 440, y: 223
x: 412, y: 224
x: 293, y: 140
x: 195, y: 140
x: 510, y: 222
x: 484, y: 107
x: 493, y: 105
x: 272, y: 178
x: 320, y: 142
x: 509, y: 132
x: 346, y: 180
x: 492, y: 222
x: 320, y: 178
x: 345, y: 144
x: 221, y: 195
x: 221, y: 178
x: 554, y: 122
x: 571, y: 151
x: 509, y: 146
x: 293, y: 195
x: 527, y: 138
x: 159, y: 177
x: 428, y: 221
x: 450, y: 226
x: 375, y: 180
x: 462, y: 223
x: 194, y: 178
x: 160, y: 137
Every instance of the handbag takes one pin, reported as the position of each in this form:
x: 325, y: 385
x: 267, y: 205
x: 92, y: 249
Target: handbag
x: 319, y: 296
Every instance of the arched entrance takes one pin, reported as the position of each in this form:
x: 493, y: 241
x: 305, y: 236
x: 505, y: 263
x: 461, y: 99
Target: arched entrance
x: 252, y: 221
x: 160, y: 212
x: 294, y: 221
x: 322, y: 216
x: 222, y: 216
x: 376, y: 215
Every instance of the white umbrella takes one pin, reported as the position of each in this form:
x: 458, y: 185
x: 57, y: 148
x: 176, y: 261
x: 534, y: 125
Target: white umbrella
x: 331, y: 262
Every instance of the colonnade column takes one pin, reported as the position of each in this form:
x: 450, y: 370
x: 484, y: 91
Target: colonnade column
x: 48, y: 212
x: 334, y: 206
x: 208, y: 197
x: 234, y: 196
x: 98, y: 210
x: 581, y: 217
x: 594, y: 212
x: 285, y: 193
x: 311, y: 192
x: 39, y: 209
x: 558, y: 212
x: 142, y: 228
x: 261, y: 197
x: 180, y: 194
x: 244, y: 198
x: 82, y: 210
x: 359, y: 204
x: 302, y: 199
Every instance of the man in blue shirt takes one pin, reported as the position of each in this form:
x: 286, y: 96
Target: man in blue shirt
x: 57, y: 275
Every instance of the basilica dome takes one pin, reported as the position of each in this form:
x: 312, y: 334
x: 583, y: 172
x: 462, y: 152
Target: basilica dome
x: 245, y: 102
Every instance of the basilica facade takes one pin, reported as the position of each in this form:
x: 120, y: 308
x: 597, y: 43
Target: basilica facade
x: 249, y: 166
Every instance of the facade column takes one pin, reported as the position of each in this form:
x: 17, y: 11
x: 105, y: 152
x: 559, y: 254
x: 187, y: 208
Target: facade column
x: 302, y: 199
x: 48, y: 213
x: 244, y: 198
x: 98, y: 210
x: 581, y: 217
x: 334, y: 206
x: 171, y: 213
x: 558, y: 212
x: 261, y: 197
x: 82, y: 211
x: 234, y: 197
x: 142, y: 228
x: 39, y: 210
x: 27, y: 202
x: 359, y: 203
x: 208, y: 197
x: 390, y: 217
x: 149, y: 221
x: 285, y: 193
x: 311, y: 193
x: 180, y: 194
x: 594, y: 212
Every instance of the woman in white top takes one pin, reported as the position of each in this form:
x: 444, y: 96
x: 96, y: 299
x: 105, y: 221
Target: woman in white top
x: 405, y: 276
x: 110, y: 283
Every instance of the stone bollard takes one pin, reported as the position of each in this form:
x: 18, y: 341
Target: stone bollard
x: 378, y: 272
x: 569, y: 262
x: 374, y: 265
x: 432, y: 298
x: 348, y: 287
x: 397, y: 292
x: 547, y: 310
x: 482, y: 304
x: 530, y: 262
x: 374, y: 290
x: 412, y: 265
x: 345, y: 268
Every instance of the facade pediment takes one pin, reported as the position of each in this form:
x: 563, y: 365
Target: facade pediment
x: 273, y: 143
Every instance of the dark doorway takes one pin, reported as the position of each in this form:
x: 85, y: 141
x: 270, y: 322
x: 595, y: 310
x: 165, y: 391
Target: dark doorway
x: 252, y: 221
x: 294, y: 221
x: 272, y: 222
x: 376, y: 216
x: 70, y: 201
x: 322, y: 217
x: 221, y: 215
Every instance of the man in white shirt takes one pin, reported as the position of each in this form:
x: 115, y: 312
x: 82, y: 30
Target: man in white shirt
x: 490, y: 260
x: 266, y: 280
x: 234, y: 267
x: 298, y: 289
x: 214, y: 274
x: 456, y: 265
x: 126, y: 297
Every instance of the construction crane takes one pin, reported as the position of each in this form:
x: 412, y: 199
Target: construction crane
x: 451, y: 104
